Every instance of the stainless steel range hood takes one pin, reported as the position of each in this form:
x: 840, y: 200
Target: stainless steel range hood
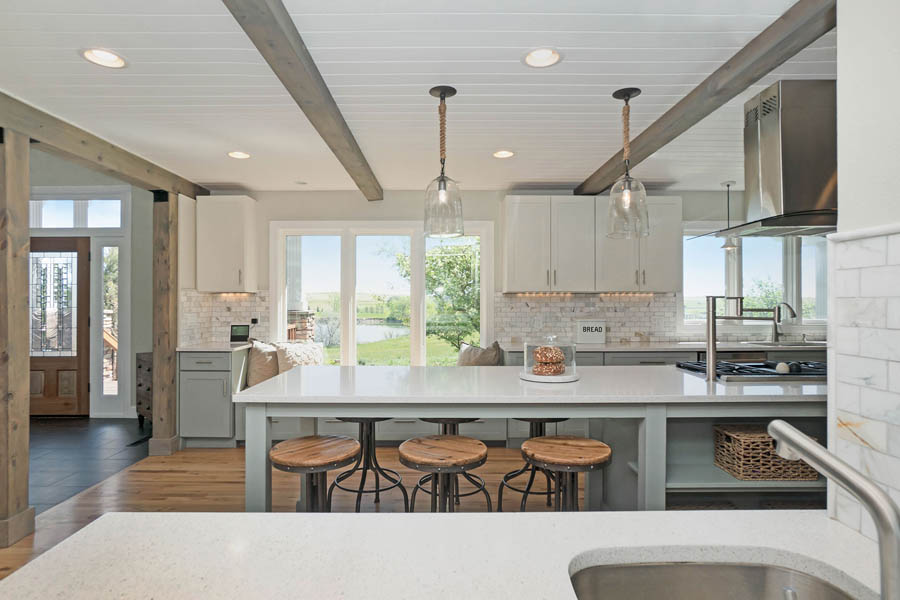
x: 790, y: 160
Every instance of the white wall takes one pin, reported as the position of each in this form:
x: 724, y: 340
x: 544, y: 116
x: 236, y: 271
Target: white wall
x: 868, y: 63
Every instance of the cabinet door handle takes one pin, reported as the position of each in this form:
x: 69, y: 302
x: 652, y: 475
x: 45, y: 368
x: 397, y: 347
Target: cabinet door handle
x: 554, y: 276
x: 548, y: 276
x: 405, y: 421
x: 644, y: 273
x: 636, y: 279
x: 224, y: 391
x: 203, y: 362
x: 333, y: 421
x: 240, y: 276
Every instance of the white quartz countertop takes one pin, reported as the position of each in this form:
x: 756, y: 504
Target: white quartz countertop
x: 681, y: 347
x: 475, y: 555
x: 501, y: 385
x: 214, y: 347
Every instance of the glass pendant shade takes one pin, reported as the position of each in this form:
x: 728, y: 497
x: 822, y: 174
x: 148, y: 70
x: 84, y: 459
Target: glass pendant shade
x: 729, y: 244
x: 443, y: 208
x: 628, y: 216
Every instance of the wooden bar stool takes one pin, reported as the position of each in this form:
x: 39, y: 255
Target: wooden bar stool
x: 566, y: 456
x: 536, y: 428
x: 450, y: 427
x: 313, y: 456
x: 368, y: 461
x: 444, y: 457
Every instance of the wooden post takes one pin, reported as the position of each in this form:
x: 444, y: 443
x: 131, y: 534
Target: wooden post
x: 16, y: 517
x: 165, y: 323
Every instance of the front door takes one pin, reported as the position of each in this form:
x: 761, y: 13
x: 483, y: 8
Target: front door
x: 59, y: 309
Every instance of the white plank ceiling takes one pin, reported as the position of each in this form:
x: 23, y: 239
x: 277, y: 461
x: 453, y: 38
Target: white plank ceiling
x: 196, y: 88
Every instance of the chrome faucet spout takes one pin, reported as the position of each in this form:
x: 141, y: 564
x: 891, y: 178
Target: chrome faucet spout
x: 791, y: 444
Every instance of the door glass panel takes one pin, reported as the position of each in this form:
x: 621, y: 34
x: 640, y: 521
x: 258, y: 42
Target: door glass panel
x: 313, y: 287
x: 110, y: 320
x: 382, y: 300
x: 53, y: 306
x: 452, y: 297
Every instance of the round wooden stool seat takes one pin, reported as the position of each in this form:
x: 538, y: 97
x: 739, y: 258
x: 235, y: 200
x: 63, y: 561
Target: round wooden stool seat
x: 566, y: 452
x: 314, y: 453
x: 443, y: 453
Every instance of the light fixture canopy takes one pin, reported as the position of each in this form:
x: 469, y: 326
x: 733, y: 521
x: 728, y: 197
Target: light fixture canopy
x: 504, y: 154
x: 238, y: 154
x: 541, y: 58
x: 103, y: 57
x: 628, y: 216
x: 443, y: 202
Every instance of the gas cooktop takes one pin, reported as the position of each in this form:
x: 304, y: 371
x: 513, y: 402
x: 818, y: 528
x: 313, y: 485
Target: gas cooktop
x: 810, y: 371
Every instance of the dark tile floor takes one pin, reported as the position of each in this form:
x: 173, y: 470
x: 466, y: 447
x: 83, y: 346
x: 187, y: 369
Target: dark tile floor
x: 69, y: 455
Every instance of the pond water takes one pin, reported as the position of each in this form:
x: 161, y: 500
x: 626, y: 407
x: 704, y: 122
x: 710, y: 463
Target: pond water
x: 366, y: 333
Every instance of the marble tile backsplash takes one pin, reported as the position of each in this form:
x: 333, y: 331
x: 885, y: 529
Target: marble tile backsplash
x: 864, y: 394
x: 629, y: 317
x: 204, y: 317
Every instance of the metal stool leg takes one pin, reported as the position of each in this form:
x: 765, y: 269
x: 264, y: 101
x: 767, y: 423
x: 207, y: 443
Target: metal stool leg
x: 434, y: 493
x: 549, y: 486
x: 527, y: 489
x: 504, y: 482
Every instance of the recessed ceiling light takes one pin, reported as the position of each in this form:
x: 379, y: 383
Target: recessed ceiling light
x: 504, y: 154
x: 104, y: 58
x: 542, y: 57
x: 238, y: 154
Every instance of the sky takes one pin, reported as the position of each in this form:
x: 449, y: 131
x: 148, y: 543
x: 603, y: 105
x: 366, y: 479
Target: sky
x: 61, y: 213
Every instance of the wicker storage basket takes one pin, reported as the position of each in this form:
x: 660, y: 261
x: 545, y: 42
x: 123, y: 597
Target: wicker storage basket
x: 746, y: 451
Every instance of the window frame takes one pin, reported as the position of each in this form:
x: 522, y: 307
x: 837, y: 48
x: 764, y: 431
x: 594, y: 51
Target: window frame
x: 791, y: 282
x: 122, y: 193
x: 348, y: 231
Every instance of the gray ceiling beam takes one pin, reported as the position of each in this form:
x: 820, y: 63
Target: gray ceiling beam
x: 803, y: 23
x: 271, y: 29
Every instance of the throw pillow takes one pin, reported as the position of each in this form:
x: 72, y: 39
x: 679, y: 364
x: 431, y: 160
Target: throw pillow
x: 263, y: 363
x: 473, y: 356
x: 292, y: 354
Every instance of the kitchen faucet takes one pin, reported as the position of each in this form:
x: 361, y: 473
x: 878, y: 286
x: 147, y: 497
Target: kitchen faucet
x: 711, y: 318
x: 794, y: 445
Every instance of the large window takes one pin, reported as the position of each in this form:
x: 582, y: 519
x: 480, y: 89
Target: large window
x: 410, y: 300
x: 764, y: 270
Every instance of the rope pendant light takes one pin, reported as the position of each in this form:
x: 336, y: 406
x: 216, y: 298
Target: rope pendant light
x: 628, y: 216
x: 443, y: 202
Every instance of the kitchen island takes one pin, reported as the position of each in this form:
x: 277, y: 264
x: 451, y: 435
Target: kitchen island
x: 655, y: 398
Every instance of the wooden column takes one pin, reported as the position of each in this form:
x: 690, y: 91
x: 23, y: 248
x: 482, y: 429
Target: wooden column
x: 165, y: 323
x: 16, y: 517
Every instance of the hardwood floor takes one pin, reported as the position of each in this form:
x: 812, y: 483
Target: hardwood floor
x: 202, y: 480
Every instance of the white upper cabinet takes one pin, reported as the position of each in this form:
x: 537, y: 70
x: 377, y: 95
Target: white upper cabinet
x: 226, y: 244
x: 572, y: 243
x: 661, y: 251
x: 651, y: 264
x: 549, y: 244
x: 526, y: 221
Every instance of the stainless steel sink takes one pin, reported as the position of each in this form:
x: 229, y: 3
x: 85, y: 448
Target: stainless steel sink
x: 698, y: 581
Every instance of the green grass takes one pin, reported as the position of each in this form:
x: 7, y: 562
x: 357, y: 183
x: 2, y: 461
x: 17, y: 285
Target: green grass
x: 396, y: 352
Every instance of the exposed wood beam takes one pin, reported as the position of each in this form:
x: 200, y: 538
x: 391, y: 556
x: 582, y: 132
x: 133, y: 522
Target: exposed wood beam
x: 73, y: 143
x: 271, y: 29
x: 165, y: 322
x: 16, y: 517
x: 803, y: 23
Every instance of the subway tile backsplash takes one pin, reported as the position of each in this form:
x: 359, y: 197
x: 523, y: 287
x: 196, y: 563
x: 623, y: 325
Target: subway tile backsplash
x: 639, y: 317
x: 865, y: 387
x: 205, y: 318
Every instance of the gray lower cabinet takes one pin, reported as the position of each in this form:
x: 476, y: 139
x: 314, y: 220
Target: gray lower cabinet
x: 207, y: 417
x: 645, y: 358
x: 206, y: 409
